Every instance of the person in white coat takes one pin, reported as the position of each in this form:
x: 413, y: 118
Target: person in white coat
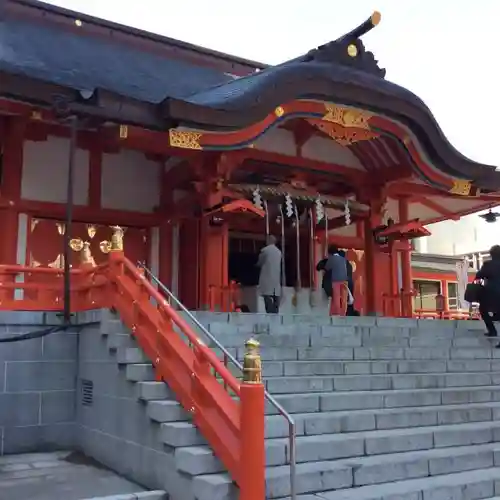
x: 270, y: 275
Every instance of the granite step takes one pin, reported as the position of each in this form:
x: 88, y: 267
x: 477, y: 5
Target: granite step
x: 311, y: 424
x: 313, y: 477
x: 471, y: 485
x: 284, y: 385
x: 430, y: 402
x: 305, y: 368
x: 360, y: 400
x: 334, y: 447
x: 328, y: 353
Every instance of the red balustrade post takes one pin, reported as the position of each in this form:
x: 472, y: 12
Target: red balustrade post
x: 252, y: 455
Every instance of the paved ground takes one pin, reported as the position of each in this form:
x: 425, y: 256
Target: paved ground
x: 58, y: 475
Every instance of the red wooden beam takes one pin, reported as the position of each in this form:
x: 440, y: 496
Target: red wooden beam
x: 436, y: 207
x: 44, y: 209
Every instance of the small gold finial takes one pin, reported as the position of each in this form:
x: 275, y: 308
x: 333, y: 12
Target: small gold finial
x: 376, y: 17
x: 86, y: 255
x: 117, y: 239
x: 279, y: 111
x: 352, y: 50
x: 252, y: 363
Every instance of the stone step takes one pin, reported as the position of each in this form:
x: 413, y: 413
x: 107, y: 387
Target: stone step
x: 112, y: 326
x: 149, y: 391
x: 315, y: 477
x: 286, y: 385
x: 471, y: 485
x: 141, y: 495
x: 130, y: 355
x: 334, y: 422
x: 372, y: 353
x: 315, y: 336
x: 381, y: 419
x: 166, y: 411
x: 140, y: 372
x: 116, y: 340
x: 245, y: 319
x: 362, y: 400
x: 310, y: 424
x: 304, y: 368
x: 352, y: 446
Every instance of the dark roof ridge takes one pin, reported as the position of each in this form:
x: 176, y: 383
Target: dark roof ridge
x: 136, y: 32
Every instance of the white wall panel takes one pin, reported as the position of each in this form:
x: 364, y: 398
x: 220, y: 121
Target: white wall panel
x: 130, y: 182
x: 45, y: 172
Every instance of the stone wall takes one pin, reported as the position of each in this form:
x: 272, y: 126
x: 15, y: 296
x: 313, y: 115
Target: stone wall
x: 37, y: 385
x: 114, y: 428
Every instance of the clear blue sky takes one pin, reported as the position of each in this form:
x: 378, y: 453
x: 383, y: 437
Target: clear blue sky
x: 446, y: 51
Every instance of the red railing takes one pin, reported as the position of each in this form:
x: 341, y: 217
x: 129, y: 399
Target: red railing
x: 234, y: 427
x: 398, y: 305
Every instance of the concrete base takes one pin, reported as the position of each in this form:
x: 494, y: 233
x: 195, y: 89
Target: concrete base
x: 63, y: 475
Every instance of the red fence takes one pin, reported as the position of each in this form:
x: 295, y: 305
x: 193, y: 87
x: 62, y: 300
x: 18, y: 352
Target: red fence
x: 229, y: 414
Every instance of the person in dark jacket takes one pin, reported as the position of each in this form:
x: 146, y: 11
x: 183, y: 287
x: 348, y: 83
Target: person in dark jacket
x: 489, y: 301
x: 333, y: 267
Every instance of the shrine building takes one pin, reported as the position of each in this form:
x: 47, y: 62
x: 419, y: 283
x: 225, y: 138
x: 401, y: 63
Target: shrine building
x: 198, y: 155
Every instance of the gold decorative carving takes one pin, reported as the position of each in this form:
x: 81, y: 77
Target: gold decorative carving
x: 461, y: 187
x: 347, y: 117
x: 61, y: 227
x: 34, y: 223
x: 86, y: 255
x: 123, y: 131
x: 117, y: 239
x: 76, y: 244
x: 185, y: 139
x: 58, y: 262
x: 105, y: 246
x: 345, y: 136
x: 91, y: 230
x: 279, y: 111
x: 36, y: 115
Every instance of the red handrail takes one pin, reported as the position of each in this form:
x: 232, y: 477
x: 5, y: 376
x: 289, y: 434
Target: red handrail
x: 203, y: 385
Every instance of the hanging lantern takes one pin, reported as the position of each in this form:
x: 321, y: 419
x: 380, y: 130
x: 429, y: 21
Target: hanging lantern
x: 288, y: 206
x: 257, y: 198
x: 320, y: 210
x: 347, y: 213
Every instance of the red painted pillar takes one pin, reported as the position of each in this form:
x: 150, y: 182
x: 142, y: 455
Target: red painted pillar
x: 166, y: 253
x: 373, y: 272
x: 214, y: 276
x: 406, y: 273
x: 10, y: 188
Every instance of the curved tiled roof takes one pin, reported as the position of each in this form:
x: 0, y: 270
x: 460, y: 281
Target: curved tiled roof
x: 59, y: 56
x: 173, y: 91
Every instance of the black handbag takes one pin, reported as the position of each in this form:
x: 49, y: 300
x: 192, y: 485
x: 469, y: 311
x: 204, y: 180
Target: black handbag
x: 473, y: 292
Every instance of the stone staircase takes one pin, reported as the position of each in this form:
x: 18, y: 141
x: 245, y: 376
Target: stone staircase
x: 385, y: 409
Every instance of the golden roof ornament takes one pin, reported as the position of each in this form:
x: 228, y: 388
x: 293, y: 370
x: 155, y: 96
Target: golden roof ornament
x: 349, y: 50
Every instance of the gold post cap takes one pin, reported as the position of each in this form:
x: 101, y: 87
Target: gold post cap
x: 252, y: 343
x: 376, y: 17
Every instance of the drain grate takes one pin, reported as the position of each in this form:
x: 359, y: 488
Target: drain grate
x: 87, y: 392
